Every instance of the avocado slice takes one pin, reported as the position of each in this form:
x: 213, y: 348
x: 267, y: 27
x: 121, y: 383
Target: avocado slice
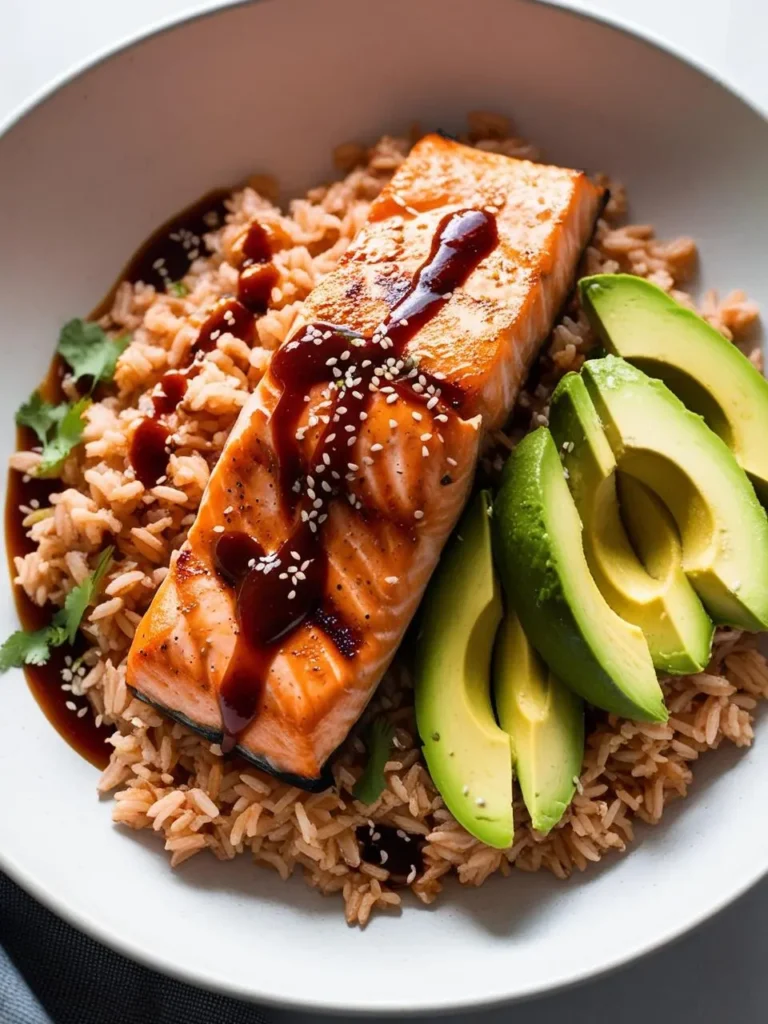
x: 637, y: 320
x: 469, y: 757
x: 545, y: 573
x: 663, y: 604
x: 723, y: 527
x: 545, y: 721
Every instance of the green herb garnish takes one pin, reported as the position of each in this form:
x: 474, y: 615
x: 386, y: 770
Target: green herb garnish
x: 67, y: 434
x: 40, y: 415
x: 372, y: 783
x: 90, y: 351
x: 179, y: 289
x: 34, y: 648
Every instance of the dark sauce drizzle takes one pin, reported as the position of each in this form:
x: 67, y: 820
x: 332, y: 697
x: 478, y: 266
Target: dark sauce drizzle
x: 151, y: 443
x: 164, y: 257
x: 393, y: 849
x: 278, y: 591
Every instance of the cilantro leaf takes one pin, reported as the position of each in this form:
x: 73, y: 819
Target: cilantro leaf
x: 40, y: 415
x: 372, y: 783
x: 69, y: 432
x: 71, y: 615
x: 23, y: 648
x: 179, y: 289
x: 89, y: 350
x: 34, y: 648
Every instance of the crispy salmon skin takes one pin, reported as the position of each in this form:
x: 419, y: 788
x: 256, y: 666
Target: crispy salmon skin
x: 446, y: 370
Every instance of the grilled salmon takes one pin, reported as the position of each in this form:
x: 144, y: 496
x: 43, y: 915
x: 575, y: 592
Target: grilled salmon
x: 353, y: 458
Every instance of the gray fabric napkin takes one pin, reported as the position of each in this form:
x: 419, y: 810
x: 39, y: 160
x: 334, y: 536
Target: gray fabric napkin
x: 52, y: 974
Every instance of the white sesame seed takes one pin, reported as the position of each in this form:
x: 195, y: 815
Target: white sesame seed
x: 425, y: 451
x: 432, y: 402
x: 291, y: 595
x: 392, y: 424
x: 391, y: 399
x: 367, y: 460
x: 391, y: 579
x: 377, y: 447
x: 451, y: 462
x: 418, y: 514
x: 480, y: 801
x: 218, y: 529
x: 425, y: 437
x: 70, y: 705
x: 82, y: 712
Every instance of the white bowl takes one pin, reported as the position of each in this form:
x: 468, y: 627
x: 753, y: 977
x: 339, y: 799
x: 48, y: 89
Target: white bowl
x: 84, y: 177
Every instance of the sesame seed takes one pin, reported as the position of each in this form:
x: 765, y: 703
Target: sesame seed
x: 70, y: 705
x: 392, y: 424
x: 353, y: 466
x: 82, y: 712
x: 432, y: 402
x: 425, y: 451
x: 291, y: 595
x: 384, y: 856
x: 480, y: 801
x: 411, y: 875
x: 377, y: 447
x: 331, y: 437
x: 391, y: 399
x: 351, y: 441
x: 418, y: 514
x: 367, y: 460
x: 451, y: 462
x: 218, y: 529
x: 425, y: 437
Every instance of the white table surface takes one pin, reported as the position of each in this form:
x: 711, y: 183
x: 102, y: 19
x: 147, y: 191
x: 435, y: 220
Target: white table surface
x: 718, y: 973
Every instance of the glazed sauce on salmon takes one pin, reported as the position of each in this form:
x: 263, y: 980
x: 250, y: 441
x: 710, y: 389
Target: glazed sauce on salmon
x: 164, y: 258
x: 278, y: 591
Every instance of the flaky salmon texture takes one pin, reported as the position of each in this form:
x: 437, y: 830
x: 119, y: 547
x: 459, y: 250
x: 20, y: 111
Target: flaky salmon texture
x: 410, y: 461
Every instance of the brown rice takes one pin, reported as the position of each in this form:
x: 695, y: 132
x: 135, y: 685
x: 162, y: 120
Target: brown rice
x: 168, y: 779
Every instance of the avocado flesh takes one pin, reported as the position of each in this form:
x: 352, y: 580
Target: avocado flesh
x: 663, y: 604
x: 469, y: 757
x: 545, y: 573
x: 638, y: 321
x: 545, y: 721
x: 723, y: 528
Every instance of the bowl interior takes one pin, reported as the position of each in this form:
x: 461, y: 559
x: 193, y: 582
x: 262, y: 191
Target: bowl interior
x: 272, y: 87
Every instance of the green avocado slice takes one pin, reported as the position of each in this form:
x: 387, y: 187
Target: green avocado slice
x: 662, y: 603
x: 545, y: 721
x: 638, y: 321
x: 545, y: 573
x: 723, y: 528
x: 469, y: 757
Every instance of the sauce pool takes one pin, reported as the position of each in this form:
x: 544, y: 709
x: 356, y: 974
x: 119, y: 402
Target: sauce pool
x: 164, y: 258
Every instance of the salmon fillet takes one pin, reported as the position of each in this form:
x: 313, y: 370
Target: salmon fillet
x: 506, y: 235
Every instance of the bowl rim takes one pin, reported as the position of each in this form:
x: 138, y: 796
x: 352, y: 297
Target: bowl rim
x: 297, y: 1001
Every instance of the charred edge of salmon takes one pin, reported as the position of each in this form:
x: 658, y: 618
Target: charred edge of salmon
x: 309, y: 784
